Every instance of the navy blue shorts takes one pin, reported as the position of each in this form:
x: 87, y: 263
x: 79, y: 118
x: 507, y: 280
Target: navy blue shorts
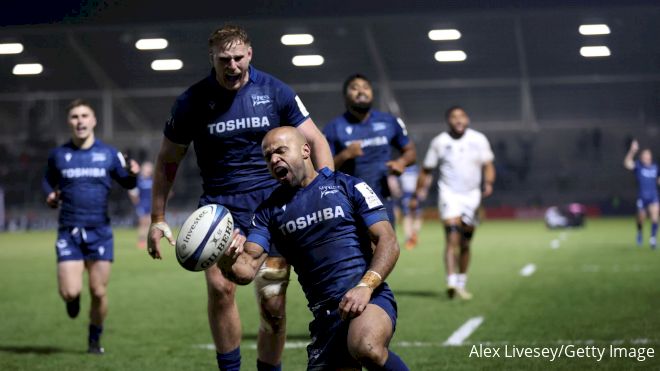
x: 644, y: 202
x: 328, y: 349
x: 242, y: 207
x: 142, y: 210
x: 84, y: 243
x: 405, y: 205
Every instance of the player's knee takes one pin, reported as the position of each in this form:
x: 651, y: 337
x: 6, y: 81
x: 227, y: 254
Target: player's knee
x: 270, y: 287
x: 68, y: 294
x: 273, y: 316
x: 221, y: 291
x: 97, y: 291
x: 367, y: 351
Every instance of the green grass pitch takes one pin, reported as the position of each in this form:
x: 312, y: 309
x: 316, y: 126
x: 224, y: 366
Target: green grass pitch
x: 594, y: 289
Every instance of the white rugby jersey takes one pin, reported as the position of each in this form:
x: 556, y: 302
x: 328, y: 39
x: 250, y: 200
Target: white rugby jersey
x: 460, y: 161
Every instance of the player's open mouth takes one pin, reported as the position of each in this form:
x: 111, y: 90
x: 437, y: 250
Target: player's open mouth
x: 281, y: 172
x: 232, y: 78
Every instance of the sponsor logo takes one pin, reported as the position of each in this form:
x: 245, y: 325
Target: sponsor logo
x: 220, y: 239
x: 371, y: 142
x: 83, y: 172
x: 258, y: 100
x: 378, y: 126
x: 67, y: 157
x: 238, y: 124
x: 369, y: 195
x: 328, y: 190
x: 189, y: 234
x: 96, y: 157
x: 61, y: 244
x: 349, y: 130
x: 101, y: 250
x: 311, y: 219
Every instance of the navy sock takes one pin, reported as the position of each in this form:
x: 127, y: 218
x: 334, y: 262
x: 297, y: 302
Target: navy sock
x: 94, y: 333
x: 394, y: 363
x: 654, y: 229
x: 230, y: 361
x: 263, y: 366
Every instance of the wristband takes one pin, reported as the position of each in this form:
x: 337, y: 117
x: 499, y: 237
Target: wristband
x: 371, y: 279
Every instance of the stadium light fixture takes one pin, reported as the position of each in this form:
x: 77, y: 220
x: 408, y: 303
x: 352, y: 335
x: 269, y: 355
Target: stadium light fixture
x: 595, y: 51
x: 450, y: 56
x: 444, y: 35
x: 166, y: 65
x: 594, y: 29
x: 307, y: 60
x: 297, y: 39
x: 27, y: 69
x: 11, y: 48
x: 151, y: 44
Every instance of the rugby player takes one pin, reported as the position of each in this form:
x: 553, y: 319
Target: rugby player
x: 77, y: 181
x: 646, y: 173
x: 225, y: 116
x: 412, y: 219
x: 325, y: 223
x: 465, y: 161
x: 141, y: 198
x: 362, y: 138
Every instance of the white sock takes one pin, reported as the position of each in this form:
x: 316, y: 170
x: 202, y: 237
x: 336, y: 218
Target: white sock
x: 461, y: 280
x: 452, y: 280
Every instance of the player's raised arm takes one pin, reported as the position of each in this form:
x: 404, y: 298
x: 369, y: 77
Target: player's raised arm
x: 125, y: 173
x: 321, y: 155
x: 167, y: 164
x: 629, y: 160
x: 386, y: 253
x: 407, y: 148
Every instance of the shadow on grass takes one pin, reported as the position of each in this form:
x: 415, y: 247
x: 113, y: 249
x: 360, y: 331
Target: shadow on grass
x: 35, y: 349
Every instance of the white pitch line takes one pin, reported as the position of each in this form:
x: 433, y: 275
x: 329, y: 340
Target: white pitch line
x: 528, y: 270
x: 464, y: 331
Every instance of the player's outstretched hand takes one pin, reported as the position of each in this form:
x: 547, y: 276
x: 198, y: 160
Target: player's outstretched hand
x: 156, y: 232
x: 53, y: 199
x: 354, y: 302
x: 236, y: 246
x: 634, y: 146
x: 395, y: 167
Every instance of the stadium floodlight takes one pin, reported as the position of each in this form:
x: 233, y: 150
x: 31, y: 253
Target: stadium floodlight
x: 166, y: 64
x: 11, y: 48
x: 27, y: 69
x: 594, y: 29
x: 445, y: 34
x: 450, y: 56
x: 595, y: 51
x: 297, y: 39
x: 307, y: 60
x: 151, y: 44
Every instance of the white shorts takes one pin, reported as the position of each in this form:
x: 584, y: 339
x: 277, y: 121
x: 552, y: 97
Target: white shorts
x: 460, y: 205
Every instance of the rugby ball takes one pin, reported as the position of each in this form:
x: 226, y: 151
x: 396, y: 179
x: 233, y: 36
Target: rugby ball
x: 204, y: 237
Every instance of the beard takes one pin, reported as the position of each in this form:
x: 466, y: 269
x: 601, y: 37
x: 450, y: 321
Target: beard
x: 360, y: 107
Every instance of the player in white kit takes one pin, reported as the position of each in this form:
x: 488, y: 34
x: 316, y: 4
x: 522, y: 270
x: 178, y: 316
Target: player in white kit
x: 467, y: 173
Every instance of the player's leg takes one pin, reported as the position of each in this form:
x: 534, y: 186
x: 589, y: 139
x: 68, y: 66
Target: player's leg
x: 408, y: 228
x: 653, y: 215
x: 99, y: 276
x: 70, y: 268
x: 369, y: 335
x: 453, y: 236
x: 224, y: 320
x: 464, y: 261
x: 639, y: 218
x: 143, y: 228
x: 69, y: 282
x: 270, y: 286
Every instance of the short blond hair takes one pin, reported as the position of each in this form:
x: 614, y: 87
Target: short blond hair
x: 228, y: 35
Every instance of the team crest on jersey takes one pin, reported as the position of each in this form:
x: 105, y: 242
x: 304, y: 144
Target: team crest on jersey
x: 378, y: 126
x: 349, y: 130
x: 328, y: 190
x: 61, y: 243
x: 67, y: 157
x: 98, y: 157
x: 258, y: 100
